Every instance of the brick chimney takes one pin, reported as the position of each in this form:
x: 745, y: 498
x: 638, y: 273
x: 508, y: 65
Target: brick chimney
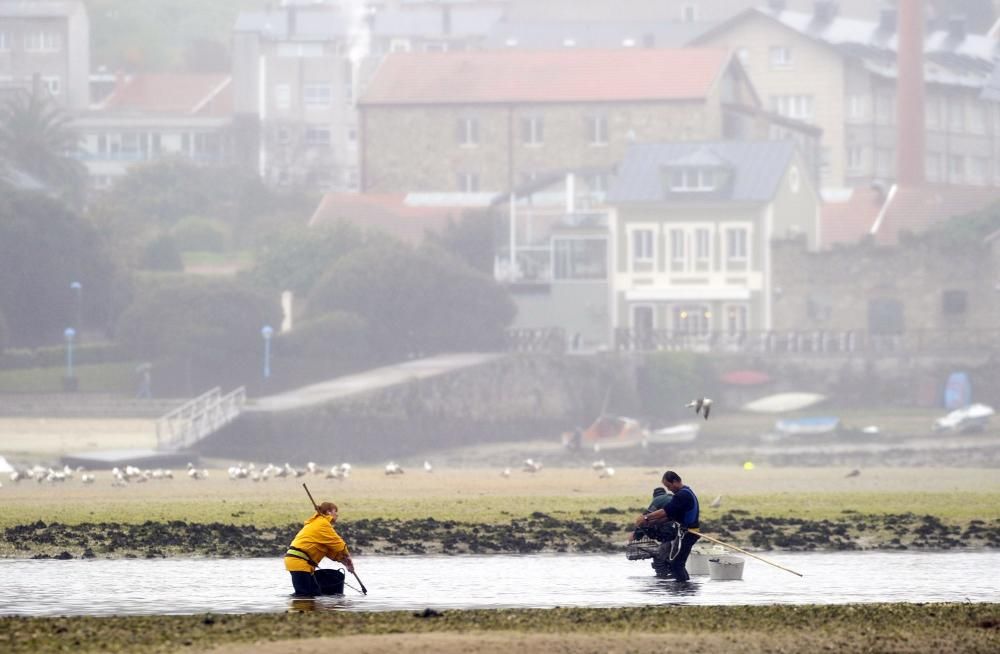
x: 910, y: 94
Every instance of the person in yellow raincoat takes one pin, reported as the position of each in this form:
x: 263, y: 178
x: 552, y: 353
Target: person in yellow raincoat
x: 316, y: 539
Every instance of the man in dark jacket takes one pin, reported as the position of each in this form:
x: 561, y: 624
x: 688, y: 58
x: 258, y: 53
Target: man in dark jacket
x: 682, y: 509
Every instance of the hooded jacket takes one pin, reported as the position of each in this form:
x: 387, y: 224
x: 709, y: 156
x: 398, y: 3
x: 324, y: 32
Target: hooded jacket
x: 316, y: 539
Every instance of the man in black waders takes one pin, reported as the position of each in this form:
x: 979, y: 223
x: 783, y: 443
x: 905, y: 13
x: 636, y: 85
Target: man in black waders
x: 682, y: 510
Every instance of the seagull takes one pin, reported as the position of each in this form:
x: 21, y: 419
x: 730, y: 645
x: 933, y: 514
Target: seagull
x: 531, y: 465
x: 699, y: 404
x: 606, y: 472
x: 506, y: 473
x: 428, y: 467
x: 599, y: 464
x: 717, y: 502
x: 853, y: 473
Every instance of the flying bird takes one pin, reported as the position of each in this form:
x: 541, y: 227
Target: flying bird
x: 702, y: 405
x: 717, y: 502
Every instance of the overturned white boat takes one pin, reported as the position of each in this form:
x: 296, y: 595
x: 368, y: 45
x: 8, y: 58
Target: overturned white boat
x: 685, y: 433
x: 972, y: 418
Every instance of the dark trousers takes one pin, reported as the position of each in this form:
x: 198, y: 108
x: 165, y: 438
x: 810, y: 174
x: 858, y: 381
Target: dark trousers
x: 305, y: 584
x: 677, y: 565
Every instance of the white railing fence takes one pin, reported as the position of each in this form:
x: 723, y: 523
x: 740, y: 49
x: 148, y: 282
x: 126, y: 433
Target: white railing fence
x: 199, y: 417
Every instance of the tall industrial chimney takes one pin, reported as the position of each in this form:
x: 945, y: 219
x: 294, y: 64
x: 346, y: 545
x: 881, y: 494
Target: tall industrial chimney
x: 910, y: 94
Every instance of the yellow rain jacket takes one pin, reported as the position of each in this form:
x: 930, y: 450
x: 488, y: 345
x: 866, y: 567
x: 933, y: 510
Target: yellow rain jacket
x: 315, y: 540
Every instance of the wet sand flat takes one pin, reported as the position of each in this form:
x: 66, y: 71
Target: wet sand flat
x: 55, y: 436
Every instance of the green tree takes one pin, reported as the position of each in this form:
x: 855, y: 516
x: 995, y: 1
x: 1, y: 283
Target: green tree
x: 668, y: 380
x: 4, y: 333
x: 213, y: 323
x: 36, y: 137
x: 471, y: 239
x: 295, y: 260
x: 415, y: 302
x: 44, y: 247
x: 338, y: 339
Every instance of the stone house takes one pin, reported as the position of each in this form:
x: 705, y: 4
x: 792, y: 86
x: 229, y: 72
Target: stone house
x: 494, y: 120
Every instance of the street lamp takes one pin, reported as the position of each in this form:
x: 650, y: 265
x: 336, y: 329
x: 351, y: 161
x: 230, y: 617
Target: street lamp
x: 267, y: 332
x: 69, y: 383
x: 77, y: 289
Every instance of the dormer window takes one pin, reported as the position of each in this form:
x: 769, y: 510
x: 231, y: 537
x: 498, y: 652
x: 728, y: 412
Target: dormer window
x: 694, y: 180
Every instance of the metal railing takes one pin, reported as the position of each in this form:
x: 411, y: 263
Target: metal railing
x: 197, y: 418
x: 542, y: 339
x: 819, y: 342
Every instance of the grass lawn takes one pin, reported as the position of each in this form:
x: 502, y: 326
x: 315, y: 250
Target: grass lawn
x: 95, y: 378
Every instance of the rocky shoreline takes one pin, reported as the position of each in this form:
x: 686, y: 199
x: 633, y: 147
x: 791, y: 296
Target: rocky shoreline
x: 603, y: 531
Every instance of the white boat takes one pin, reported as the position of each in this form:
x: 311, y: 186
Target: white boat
x: 684, y: 433
x: 726, y: 567
x: 811, y: 426
x: 972, y: 418
x: 783, y: 402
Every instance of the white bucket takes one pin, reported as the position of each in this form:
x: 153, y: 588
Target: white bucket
x: 725, y: 567
x: 697, y: 563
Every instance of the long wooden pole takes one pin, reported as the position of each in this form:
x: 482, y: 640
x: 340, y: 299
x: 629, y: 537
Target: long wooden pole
x: 364, y: 590
x: 742, y: 551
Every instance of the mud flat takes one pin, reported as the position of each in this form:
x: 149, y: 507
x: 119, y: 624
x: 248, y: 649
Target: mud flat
x: 851, y: 628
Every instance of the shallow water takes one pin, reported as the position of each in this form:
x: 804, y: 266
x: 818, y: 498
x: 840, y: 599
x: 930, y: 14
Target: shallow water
x: 184, y: 586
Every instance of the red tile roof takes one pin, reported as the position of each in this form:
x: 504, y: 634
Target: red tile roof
x: 201, y: 95
x: 388, y: 213
x: 546, y: 76
x: 910, y: 209
x: 918, y: 208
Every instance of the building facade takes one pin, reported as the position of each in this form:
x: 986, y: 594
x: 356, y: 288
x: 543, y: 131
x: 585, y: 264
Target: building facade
x: 492, y: 121
x: 48, y: 41
x: 692, y: 229
x: 839, y: 74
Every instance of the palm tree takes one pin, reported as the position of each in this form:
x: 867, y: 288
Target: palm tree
x: 36, y: 137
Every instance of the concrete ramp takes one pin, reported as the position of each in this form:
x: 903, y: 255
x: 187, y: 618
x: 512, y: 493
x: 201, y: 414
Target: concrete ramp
x: 370, y: 380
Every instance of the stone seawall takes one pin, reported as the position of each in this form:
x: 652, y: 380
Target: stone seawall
x: 519, y: 397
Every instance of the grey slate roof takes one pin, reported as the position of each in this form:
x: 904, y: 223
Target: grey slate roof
x: 319, y: 25
x: 591, y: 34
x: 330, y: 24
x: 757, y: 168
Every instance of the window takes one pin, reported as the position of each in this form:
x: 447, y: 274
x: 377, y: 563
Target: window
x: 596, y: 127
x: 399, y: 45
x: 468, y: 182
x: 580, y: 258
x: 978, y: 167
x: 678, y: 250
x: 932, y: 166
x: 857, y: 107
x: 352, y: 136
x: 282, y: 96
x: 317, y: 137
x: 737, y: 255
x: 799, y: 107
x: 977, y: 118
x: 642, y: 246
x: 702, y: 249
x: 780, y: 57
x: 885, y: 108
x: 956, y: 168
x: 932, y: 112
x: 689, y: 13
x: 693, y: 180
x: 284, y: 135
x: 883, y: 162
x: 956, y: 115
x: 855, y: 159
x: 3, y: 42
x: 532, y: 130
x: 53, y: 84
x: 695, y: 319
x: 744, y: 55
x: 467, y: 131
x: 953, y: 302
x: 42, y: 42
x: 303, y: 50
x: 435, y: 46
x: 317, y: 95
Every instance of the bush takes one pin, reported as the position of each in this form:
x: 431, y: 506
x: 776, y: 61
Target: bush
x: 211, y: 322
x: 416, y: 302
x: 161, y: 254
x: 338, y: 338
x: 194, y: 234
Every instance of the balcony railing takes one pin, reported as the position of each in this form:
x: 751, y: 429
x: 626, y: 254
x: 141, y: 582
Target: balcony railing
x: 819, y: 342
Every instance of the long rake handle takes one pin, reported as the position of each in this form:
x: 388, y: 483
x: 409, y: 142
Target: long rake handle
x: 364, y: 590
x: 742, y: 551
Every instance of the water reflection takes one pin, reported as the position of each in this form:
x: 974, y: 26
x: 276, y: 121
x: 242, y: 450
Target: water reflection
x: 172, y: 586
